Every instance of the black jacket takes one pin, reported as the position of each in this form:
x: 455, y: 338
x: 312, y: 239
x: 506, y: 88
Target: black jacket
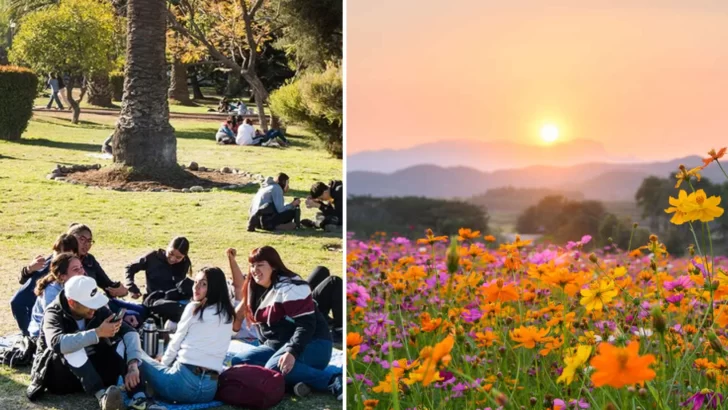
x: 336, y: 208
x: 58, y: 321
x: 94, y: 270
x: 159, y: 273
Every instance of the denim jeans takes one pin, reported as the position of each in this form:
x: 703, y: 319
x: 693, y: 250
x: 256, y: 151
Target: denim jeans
x: 177, y: 383
x: 140, y: 311
x: 309, y: 367
x: 22, y: 302
x: 276, y: 134
x: 54, y: 97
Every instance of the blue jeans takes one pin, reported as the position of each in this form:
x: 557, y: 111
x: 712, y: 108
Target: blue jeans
x: 22, y: 302
x: 54, y: 97
x: 131, y: 308
x: 309, y: 368
x: 276, y: 134
x: 177, y: 383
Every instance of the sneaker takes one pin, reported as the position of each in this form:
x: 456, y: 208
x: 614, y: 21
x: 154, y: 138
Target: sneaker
x: 34, y: 390
x: 301, y: 390
x: 112, y: 399
x: 336, y: 387
x: 144, y: 403
x: 307, y: 223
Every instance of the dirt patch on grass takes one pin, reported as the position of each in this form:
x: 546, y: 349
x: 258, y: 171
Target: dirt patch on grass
x: 123, y: 180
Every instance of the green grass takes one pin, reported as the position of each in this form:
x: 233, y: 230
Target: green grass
x: 34, y: 211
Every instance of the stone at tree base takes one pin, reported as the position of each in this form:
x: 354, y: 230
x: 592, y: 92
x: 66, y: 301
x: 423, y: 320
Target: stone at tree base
x: 226, y: 170
x: 193, y: 166
x: 197, y: 188
x: 185, y: 190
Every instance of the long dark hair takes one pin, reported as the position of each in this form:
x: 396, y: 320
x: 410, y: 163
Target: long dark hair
x: 59, y: 266
x: 251, y: 290
x: 66, y: 243
x: 218, y: 294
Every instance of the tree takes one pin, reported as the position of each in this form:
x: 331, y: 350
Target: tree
x: 313, y: 32
x: 74, y: 38
x: 316, y: 101
x: 144, y: 139
x: 234, y: 33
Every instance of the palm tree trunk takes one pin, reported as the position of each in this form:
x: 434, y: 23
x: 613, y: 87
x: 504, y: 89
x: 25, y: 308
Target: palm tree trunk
x: 178, y: 90
x: 144, y: 139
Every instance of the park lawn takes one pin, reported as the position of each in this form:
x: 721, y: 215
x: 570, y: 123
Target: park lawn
x: 126, y: 225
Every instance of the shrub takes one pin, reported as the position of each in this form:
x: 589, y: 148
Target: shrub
x: 315, y: 101
x: 17, y: 92
x: 117, y: 84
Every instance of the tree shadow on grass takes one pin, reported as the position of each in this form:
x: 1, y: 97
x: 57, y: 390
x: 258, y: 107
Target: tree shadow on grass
x: 78, y: 146
x: 7, y: 157
x: 198, y: 134
x: 63, y: 122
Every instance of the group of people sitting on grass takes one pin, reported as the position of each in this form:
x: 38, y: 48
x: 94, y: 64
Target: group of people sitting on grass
x: 239, y: 131
x: 268, y: 210
x: 225, y: 106
x: 71, y: 310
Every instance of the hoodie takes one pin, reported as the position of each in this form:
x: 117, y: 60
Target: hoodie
x: 269, y: 192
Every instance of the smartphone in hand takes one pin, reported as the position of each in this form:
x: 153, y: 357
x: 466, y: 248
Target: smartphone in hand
x: 119, y: 316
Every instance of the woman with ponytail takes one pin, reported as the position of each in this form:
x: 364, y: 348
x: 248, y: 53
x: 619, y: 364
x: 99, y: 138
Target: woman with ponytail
x: 164, y: 268
x: 64, y: 266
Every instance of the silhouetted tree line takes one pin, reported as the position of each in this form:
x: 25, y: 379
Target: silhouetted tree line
x: 411, y: 216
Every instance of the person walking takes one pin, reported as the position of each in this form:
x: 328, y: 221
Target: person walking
x: 55, y: 87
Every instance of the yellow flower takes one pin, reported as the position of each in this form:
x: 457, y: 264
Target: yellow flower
x: 573, y: 363
x: 684, y: 175
x: 597, y: 296
x: 680, y: 206
x: 704, y: 208
x: 428, y: 371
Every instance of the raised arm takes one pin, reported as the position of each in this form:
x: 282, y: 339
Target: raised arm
x: 238, y: 277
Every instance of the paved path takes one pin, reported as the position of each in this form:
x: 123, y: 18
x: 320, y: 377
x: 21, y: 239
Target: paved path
x: 176, y: 115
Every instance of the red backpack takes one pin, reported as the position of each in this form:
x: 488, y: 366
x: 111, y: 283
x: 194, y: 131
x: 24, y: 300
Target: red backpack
x: 250, y: 386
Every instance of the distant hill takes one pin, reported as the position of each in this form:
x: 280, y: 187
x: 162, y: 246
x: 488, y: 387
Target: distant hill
x: 483, y: 156
x: 601, y: 181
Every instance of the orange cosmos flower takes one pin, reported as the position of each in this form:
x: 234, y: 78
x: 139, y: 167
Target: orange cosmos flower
x: 528, y: 336
x: 496, y: 291
x: 465, y: 234
x: 393, y: 377
x: 353, y: 339
x: 370, y: 404
x: 428, y: 372
x: 428, y: 324
x: 431, y: 238
x: 619, y: 367
x: 354, y: 351
x: 489, y: 238
x: 714, y: 156
x: 485, y: 339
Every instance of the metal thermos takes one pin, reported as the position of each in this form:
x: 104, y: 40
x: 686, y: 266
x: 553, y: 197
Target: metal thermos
x: 150, y: 336
x: 160, y: 347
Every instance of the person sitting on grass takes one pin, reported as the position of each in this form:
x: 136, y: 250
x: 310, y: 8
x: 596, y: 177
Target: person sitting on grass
x: 328, y: 291
x: 268, y: 210
x: 190, y: 367
x: 166, y: 271
x: 64, y: 266
x: 295, y: 337
x: 24, y: 299
x: 88, y: 353
x: 226, y: 135
x: 272, y: 135
x: 330, y: 201
x: 135, y: 313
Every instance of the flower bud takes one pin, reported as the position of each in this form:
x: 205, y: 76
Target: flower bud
x: 642, y: 392
x: 635, y: 225
x: 653, y: 238
x: 658, y: 320
x: 691, y: 250
x: 593, y: 258
x: 653, y: 266
x: 453, y: 258
x: 715, y: 342
x: 501, y: 399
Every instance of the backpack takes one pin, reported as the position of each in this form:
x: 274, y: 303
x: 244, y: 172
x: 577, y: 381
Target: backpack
x: 38, y: 373
x: 19, y: 354
x: 250, y: 386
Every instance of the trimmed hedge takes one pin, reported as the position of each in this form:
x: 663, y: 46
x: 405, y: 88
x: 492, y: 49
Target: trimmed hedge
x: 18, y: 88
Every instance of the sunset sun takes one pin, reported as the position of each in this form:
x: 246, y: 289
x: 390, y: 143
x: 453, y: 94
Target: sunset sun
x: 549, y: 133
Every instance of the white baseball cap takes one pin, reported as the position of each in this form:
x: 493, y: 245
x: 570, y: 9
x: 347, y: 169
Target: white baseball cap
x: 83, y: 290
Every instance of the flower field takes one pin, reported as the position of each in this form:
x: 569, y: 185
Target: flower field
x: 469, y: 323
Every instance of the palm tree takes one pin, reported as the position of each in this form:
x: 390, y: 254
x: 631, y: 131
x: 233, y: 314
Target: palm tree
x: 144, y: 139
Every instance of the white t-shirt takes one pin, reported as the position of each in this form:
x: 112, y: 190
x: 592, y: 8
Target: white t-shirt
x: 246, y: 133
x: 198, y: 342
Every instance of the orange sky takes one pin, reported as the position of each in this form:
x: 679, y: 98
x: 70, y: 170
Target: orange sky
x: 647, y: 79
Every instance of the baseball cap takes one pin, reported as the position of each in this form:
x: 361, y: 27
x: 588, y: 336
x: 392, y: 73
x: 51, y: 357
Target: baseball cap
x: 83, y: 290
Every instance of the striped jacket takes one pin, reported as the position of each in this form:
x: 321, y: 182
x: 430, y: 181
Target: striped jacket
x: 287, y: 316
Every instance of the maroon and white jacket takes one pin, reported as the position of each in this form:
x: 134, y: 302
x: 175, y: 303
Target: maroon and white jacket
x: 287, y: 315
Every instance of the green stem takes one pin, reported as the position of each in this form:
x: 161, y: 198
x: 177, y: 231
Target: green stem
x: 721, y: 168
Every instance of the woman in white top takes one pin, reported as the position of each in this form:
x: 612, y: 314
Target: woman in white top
x: 190, y: 367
